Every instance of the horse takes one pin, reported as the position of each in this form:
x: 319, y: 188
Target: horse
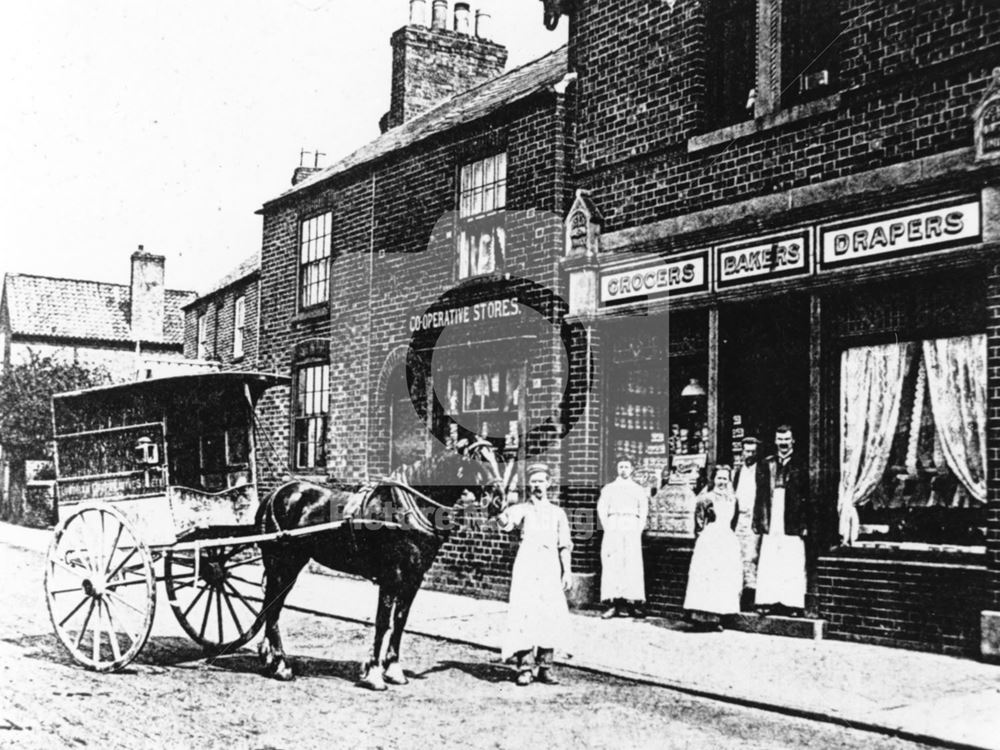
x: 391, y: 534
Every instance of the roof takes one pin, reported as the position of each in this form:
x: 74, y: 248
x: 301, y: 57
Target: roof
x: 79, y: 309
x: 179, y: 387
x: 248, y: 267
x: 512, y: 86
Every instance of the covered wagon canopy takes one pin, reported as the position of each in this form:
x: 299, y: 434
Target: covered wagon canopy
x: 137, y: 399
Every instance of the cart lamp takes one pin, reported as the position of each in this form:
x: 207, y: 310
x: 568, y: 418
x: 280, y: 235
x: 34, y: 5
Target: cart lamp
x: 146, y: 452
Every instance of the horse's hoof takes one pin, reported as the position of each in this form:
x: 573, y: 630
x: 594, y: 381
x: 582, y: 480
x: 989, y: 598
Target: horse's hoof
x: 266, y: 656
x: 393, y: 674
x: 283, y: 672
x: 372, y: 683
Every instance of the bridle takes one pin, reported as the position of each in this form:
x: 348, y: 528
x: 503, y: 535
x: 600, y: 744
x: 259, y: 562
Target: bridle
x: 500, y: 479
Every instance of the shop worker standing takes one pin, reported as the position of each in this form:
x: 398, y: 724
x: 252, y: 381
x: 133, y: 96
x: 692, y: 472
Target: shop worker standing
x: 752, y: 482
x: 781, y: 517
x: 538, y: 616
x: 622, y: 510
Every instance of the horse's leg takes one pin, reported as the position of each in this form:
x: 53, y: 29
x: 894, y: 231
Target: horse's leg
x: 282, y: 567
x: 371, y: 675
x: 393, y: 671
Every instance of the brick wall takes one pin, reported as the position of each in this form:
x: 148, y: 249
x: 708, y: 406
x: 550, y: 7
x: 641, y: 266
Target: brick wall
x: 393, y: 250
x: 910, y: 75
x: 220, y: 309
x: 931, y: 606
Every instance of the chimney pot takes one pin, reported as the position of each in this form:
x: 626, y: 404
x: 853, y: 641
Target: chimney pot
x: 147, y: 296
x: 439, y: 16
x: 483, y: 21
x: 418, y: 12
x: 463, y: 18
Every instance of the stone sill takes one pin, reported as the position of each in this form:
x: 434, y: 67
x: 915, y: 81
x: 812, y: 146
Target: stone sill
x: 751, y: 127
x: 310, y: 314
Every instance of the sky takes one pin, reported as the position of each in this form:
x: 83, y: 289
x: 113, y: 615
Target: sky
x: 167, y: 124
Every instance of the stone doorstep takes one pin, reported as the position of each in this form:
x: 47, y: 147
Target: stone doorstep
x: 790, y: 627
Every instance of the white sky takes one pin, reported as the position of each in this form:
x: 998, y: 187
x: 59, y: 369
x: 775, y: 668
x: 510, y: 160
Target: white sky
x: 167, y: 124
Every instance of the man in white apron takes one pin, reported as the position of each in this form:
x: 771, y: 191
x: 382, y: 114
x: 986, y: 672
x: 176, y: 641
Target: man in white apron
x: 538, y: 616
x: 782, y: 520
x: 622, y: 510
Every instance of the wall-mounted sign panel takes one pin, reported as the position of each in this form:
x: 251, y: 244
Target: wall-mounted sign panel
x: 674, y: 277
x: 763, y: 259
x: 901, y: 233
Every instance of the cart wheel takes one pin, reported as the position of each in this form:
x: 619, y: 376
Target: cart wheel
x: 100, y: 588
x: 218, y: 602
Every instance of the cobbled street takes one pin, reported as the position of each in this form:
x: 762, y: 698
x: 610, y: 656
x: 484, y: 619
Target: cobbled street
x: 458, y: 696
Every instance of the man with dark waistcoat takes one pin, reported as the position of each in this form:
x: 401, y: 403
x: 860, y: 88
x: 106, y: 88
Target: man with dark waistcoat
x: 781, y: 516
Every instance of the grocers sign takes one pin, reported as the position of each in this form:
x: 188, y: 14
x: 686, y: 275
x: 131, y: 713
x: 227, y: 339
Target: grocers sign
x: 670, y: 278
x: 916, y: 230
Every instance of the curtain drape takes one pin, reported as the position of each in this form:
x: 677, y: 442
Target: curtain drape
x: 871, y: 388
x: 956, y: 381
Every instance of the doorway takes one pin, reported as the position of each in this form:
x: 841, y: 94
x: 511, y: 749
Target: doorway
x: 763, y: 373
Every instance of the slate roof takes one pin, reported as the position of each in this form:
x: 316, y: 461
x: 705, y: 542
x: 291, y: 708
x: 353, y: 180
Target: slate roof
x: 468, y: 106
x: 247, y: 267
x: 74, y: 308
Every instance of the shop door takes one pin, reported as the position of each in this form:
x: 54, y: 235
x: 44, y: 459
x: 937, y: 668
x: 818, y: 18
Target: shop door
x: 408, y: 433
x: 764, y: 373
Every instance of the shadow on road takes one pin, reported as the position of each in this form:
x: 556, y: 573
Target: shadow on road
x: 483, y: 671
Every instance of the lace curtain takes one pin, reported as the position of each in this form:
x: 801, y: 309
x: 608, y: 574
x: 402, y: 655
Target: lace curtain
x: 871, y: 388
x: 956, y: 380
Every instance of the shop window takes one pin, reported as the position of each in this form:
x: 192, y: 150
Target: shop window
x: 314, y: 260
x: 488, y: 402
x: 482, y: 197
x: 658, y: 402
x: 239, y: 324
x: 913, y: 441
x: 312, y: 413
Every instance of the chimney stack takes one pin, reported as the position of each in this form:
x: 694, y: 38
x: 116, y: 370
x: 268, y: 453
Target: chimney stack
x: 418, y: 12
x: 463, y: 18
x: 147, y: 296
x: 483, y: 23
x: 439, y: 19
x: 432, y: 64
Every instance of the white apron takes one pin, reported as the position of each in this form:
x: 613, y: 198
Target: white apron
x: 715, y: 578
x: 622, y: 507
x: 538, y: 615
x: 781, y: 572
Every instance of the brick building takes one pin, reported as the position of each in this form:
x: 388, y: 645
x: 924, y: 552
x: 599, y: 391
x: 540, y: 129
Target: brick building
x: 221, y: 325
x: 797, y: 218
x: 775, y: 212
x: 459, y: 199
x: 131, y: 331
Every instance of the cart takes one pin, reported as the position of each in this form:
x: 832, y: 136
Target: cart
x: 156, y: 481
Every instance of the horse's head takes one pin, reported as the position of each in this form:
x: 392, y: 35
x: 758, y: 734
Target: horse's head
x: 496, y: 477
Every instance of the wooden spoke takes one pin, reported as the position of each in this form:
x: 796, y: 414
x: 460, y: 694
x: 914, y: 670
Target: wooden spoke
x: 114, y: 546
x: 112, y: 634
x: 86, y: 621
x: 122, y: 563
x: 131, y: 636
x: 75, y: 609
x: 221, y: 626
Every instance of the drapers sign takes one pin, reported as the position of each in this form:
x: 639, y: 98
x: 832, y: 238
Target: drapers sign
x: 762, y: 260
x: 917, y: 230
x: 670, y: 278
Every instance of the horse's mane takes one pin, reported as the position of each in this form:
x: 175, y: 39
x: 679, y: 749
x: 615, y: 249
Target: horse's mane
x: 439, y: 469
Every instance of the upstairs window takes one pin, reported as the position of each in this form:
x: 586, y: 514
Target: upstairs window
x: 762, y: 55
x: 204, y: 350
x: 482, y: 197
x: 312, y: 414
x: 239, y: 324
x: 314, y: 260
x: 810, y: 29
x: 731, y: 60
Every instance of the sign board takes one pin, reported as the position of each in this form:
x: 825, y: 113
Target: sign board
x: 671, y: 511
x: 494, y: 309
x: 670, y: 278
x: 764, y: 259
x: 901, y: 233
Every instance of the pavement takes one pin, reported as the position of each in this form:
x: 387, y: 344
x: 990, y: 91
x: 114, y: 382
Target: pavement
x: 940, y: 700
